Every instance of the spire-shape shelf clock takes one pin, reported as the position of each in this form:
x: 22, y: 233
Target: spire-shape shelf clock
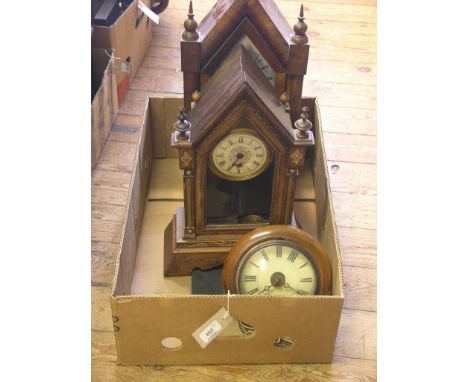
x: 238, y: 147
x: 281, y: 51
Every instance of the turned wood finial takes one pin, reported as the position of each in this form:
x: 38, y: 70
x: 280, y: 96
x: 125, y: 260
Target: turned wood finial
x: 190, y: 25
x: 182, y: 126
x: 303, y: 125
x: 196, y: 96
x: 299, y: 36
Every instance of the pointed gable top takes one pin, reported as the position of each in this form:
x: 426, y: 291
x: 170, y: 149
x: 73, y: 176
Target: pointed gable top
x: 237, y: 77
x: 226, y: 15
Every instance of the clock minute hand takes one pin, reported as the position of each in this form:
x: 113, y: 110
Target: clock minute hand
x: 229, y: 169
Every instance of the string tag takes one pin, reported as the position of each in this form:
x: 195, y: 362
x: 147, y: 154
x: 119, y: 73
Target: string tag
x: 125, y: 66
x: 228, y: 312
x: 148, y: 12
x: 213, y: 326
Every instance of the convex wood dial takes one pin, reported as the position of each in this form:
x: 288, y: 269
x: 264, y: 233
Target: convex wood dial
x: 279, y: 261
x: 241, y: 155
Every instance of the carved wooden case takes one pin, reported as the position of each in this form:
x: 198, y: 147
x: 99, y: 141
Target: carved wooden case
x: 274, y: 42
x: 237, y: 95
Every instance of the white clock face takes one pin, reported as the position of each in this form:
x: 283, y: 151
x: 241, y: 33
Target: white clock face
x: 277, y: 268
x: 241, y: 155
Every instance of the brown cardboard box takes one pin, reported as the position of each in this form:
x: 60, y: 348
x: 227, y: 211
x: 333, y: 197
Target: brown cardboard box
x: 129, y: 37
x: 104, y: 105
x: 148, y: 308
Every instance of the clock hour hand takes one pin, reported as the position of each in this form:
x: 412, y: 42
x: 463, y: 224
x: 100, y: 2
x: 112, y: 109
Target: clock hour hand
x: 298, y: 291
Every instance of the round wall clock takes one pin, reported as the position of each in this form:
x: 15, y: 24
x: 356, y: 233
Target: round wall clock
x: 240, y: 155
x: 277, y: 260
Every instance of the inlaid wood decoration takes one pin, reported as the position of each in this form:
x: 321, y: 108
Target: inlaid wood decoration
x: 238, y: 148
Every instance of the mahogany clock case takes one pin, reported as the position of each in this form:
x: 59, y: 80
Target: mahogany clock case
x: 148, y: 308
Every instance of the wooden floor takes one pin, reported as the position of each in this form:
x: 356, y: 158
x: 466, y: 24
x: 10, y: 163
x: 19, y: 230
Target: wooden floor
x: 342, y: 74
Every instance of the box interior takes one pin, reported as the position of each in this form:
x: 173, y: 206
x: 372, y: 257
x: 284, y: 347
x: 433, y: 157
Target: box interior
x: 143, y: 275
x: 165, y: 194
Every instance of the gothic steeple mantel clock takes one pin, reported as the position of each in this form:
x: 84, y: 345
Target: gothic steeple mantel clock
x: 240, y: 155
x: 279, y: 50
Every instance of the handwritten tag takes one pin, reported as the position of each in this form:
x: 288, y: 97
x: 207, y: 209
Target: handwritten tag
x: 212, y: 327
x: 148, y: 12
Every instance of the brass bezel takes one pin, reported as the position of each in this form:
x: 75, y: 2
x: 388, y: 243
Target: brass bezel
x: 234, y: 177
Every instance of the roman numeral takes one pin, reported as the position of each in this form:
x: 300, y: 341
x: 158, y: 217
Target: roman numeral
x: 250, y: 278
x: 222, y: 163
x: 254, y: 264
x: 301, y: 292
x: 260, y: 155
x: 303, y: 265
x: 292, y: 256
x: 279, y: 251
x: 230, y: 142
x: 306, y: 280
x: 250, y: 141
x: 220, y: 155
x: 265, y: 255
x: 241, y: 139
x: 257, y: 148
x: 256, y: 163
x: 238, y: 170
x: 253, y: 291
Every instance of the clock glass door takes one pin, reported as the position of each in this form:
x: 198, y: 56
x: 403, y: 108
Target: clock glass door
x: 239, y: 179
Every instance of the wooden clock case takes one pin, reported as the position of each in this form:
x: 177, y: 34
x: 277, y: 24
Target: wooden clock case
x: 231, y: 90
x: 237, y: 91
x: 204, y: 47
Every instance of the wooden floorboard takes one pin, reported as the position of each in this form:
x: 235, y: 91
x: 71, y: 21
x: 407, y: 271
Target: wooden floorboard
x: 342, y: 75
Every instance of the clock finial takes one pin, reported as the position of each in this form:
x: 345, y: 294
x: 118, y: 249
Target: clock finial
x: 284, y: 99
x: 303, y: 125
x: 190, y: 25
x: 196, y: 96
x: 182, y: 125
x: 299, y: 36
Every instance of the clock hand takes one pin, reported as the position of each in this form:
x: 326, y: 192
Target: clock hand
x: 286, y: 285
x: 266, y: 289
x: 229, y: 169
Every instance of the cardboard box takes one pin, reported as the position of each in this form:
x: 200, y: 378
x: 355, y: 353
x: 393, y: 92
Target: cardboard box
x: 149, y: 311
x: 129, y: 37
x: 104, y: 105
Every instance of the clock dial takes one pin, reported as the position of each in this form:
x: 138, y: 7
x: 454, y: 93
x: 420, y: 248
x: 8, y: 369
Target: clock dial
x: 277, y: 260
x: 277, y: 268
x: 241, y: 155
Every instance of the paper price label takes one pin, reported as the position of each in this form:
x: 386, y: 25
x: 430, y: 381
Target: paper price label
x: 210, y: 332
x: 212, y: 327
